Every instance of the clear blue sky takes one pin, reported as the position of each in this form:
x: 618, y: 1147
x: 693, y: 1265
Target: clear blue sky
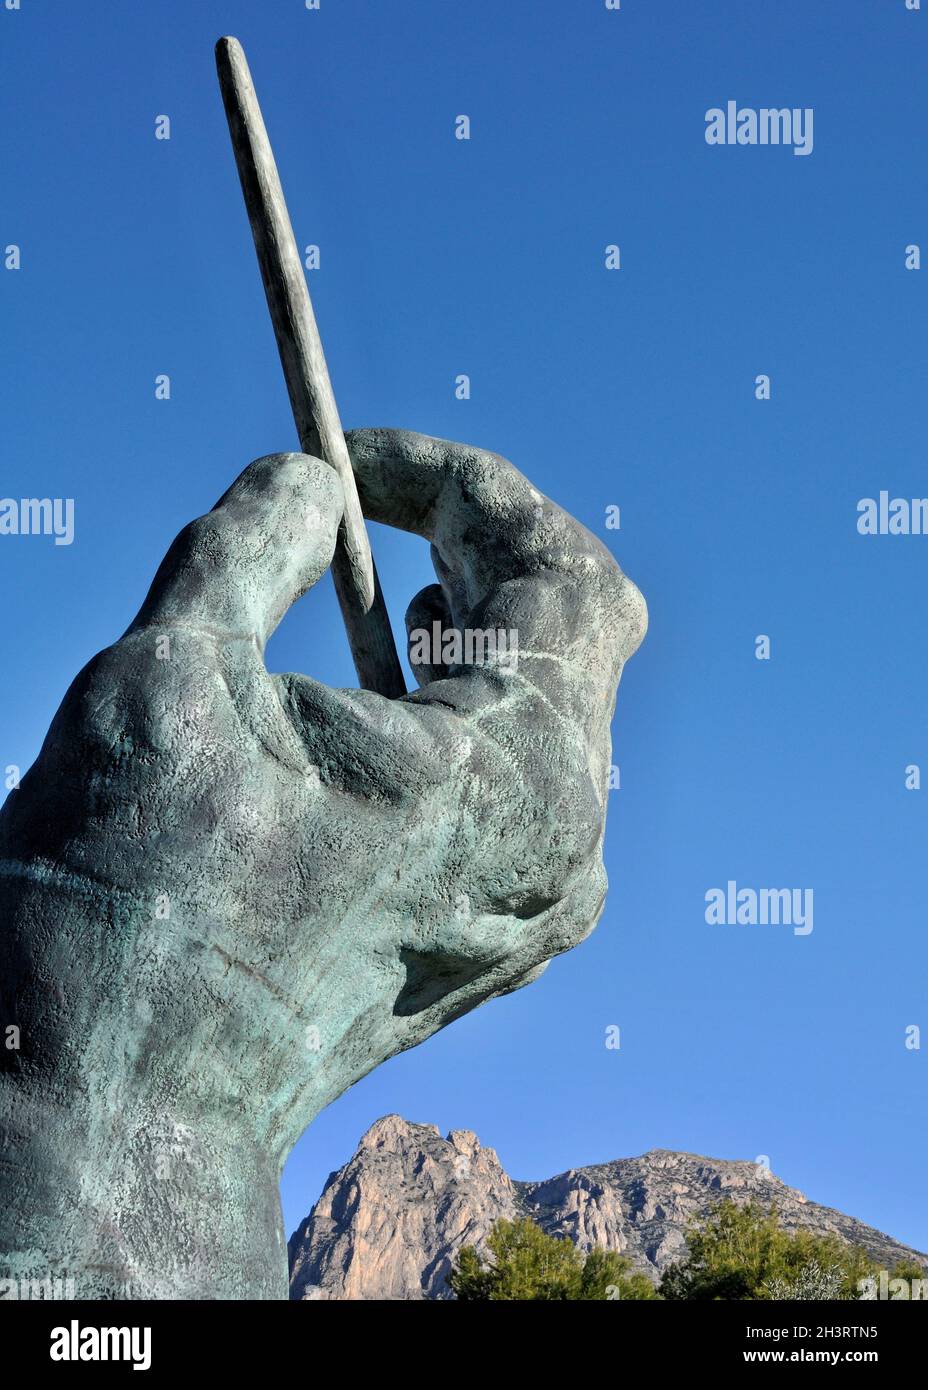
x: 633, y: 387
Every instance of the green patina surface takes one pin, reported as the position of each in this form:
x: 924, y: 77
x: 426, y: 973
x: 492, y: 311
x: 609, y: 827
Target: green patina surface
x: 225, y: 896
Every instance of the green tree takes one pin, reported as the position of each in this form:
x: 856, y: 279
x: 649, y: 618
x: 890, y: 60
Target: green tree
x: 814, y: 1282
x: 469, y: 1279
x: 608, y: 1275
x: 909, y: 1269
x: 741, y: 1252
x: 523, y: 1264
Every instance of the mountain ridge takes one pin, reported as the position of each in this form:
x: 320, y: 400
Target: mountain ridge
x: 390, y: 1221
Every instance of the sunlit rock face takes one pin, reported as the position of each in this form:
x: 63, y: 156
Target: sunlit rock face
x: 390, y: 1223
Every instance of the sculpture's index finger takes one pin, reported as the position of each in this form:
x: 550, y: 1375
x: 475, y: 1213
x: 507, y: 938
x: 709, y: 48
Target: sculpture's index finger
x: 486, y: 518
x: 520, y: 559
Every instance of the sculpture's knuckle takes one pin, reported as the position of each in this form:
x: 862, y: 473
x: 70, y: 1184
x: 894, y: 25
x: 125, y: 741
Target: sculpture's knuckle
x: 631, y: 616
x: 561, y: 844
x: 619, y: 605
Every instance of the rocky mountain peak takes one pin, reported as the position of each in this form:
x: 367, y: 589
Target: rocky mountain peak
x: 390, y: 1222
x: 393, y: 1132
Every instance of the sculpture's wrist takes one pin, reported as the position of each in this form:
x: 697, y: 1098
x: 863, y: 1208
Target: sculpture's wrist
x: 111, y: 1206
